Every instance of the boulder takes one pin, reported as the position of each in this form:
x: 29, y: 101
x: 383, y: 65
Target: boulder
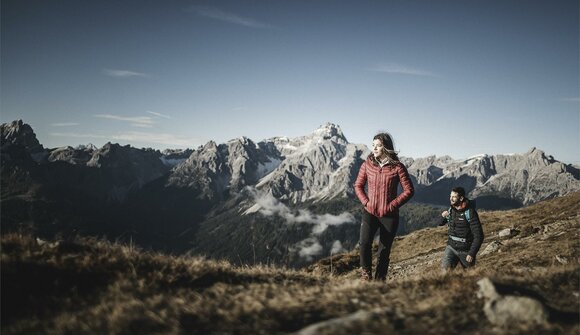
x: 506, y: 310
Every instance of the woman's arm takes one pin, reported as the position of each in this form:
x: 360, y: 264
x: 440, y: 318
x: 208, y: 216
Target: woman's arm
x: 359, y: 184
x: 408, y: 189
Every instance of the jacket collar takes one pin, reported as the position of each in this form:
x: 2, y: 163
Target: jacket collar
x: 462, y: 206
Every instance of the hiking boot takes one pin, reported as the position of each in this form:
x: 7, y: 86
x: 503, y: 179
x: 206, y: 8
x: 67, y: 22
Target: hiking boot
x: 365, y: 275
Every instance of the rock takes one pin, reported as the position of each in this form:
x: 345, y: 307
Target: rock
x: 505, y: 310
x: 508, y: 233
x: 491, y: 248
x: 354, y: 322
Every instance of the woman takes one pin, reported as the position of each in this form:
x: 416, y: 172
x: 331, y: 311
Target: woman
x: 382, y: 172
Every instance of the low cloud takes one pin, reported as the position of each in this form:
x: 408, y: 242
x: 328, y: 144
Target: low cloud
x: 309, y: 248
x: 267, y: 205
x: 337, y: 248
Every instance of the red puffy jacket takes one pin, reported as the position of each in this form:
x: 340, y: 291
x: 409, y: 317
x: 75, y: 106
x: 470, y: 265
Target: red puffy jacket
x: 381, y: 199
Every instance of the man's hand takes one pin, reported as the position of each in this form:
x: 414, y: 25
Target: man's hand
x: 445, y: 214
x: 469, y: 259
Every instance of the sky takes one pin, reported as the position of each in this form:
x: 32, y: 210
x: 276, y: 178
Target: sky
x: 456, y: 78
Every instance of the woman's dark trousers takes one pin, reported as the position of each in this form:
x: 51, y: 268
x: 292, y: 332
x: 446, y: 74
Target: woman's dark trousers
x: 387, y: 227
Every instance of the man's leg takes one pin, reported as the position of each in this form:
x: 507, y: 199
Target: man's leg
x: 449, y: 260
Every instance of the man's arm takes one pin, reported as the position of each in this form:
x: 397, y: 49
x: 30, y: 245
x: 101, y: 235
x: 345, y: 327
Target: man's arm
x: 445, y: 218
x: 477, y: 231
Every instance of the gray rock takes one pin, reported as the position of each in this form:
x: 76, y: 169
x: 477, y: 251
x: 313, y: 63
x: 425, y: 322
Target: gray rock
x: 508, y: 233
x: 491, y: 248
x: 506, y: 310
x: 353, y: 323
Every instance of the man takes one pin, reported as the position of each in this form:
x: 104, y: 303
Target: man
x: 465, y: 232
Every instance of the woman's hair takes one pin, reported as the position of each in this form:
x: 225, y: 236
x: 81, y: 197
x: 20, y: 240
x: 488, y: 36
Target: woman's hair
x: 388, y: 145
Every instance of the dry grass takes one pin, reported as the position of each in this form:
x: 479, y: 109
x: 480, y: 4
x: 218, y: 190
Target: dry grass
x: 93, y: 286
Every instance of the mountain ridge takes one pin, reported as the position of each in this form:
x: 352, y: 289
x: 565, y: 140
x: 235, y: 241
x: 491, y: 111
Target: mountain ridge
x: 298, y: 189
x: 319, y: 166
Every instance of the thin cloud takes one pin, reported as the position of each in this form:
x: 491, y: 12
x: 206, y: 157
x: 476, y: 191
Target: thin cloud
x: 570, y: 99
x: 158, y: 138
x: 402, y: 70
x: 217, y: 14
x: 77, y: 135
x: 64, y: 124
x: 136, y: 121
x: 159, y: 115
x: 123, y: 73
x: 138, y: 137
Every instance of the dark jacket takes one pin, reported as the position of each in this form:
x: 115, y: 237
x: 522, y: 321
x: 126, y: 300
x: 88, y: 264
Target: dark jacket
x: 381, y: 198
x: 464, y: 235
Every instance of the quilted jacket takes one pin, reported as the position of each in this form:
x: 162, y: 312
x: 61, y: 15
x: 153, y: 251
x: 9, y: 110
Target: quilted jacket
x: 381, y: 197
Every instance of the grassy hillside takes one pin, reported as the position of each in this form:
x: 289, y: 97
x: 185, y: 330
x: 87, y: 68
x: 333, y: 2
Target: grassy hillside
x: 93, y: 286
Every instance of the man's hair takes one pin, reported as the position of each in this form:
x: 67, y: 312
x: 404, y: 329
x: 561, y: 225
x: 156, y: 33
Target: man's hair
x: 459, y: 190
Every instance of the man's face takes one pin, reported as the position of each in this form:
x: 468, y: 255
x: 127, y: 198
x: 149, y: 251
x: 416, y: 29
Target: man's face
x: 455, y: 199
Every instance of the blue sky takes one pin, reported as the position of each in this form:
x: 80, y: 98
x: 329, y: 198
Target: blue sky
x: 444, y: 77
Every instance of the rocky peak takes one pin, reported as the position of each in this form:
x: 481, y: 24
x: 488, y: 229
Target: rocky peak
x: 218, y: 169
x: 524, y: 178
x: 173, y: 157
x: 330, y: 131
x: 20, y: 133
x: 314, y: 167
x: 76, y: 156
x: 114, y: 155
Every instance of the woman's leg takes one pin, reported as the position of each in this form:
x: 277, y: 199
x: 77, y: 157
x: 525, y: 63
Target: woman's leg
x: 368, y: 230
x: 388, y: 230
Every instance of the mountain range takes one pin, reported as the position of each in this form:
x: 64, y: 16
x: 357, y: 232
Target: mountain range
x: 296, y: 192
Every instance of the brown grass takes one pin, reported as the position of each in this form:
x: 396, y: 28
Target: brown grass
x: 93, y: 286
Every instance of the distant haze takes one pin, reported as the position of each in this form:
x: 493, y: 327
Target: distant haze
x: 454, y: 78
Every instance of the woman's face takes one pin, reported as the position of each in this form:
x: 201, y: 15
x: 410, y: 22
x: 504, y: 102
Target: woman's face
x: 378, y: 148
